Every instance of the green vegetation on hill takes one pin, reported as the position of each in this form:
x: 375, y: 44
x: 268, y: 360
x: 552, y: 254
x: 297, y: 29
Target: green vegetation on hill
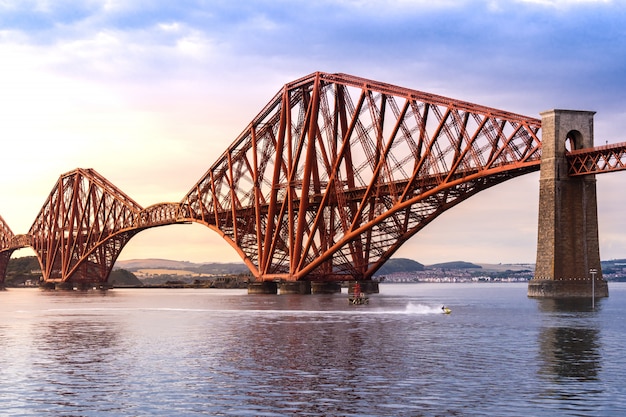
x: 231, y: 275
x: 216, y: 268
x: 614, y: 270
x: 124, y: 278
x: 456, y: 265
x: 395, y: 265
x: 614, y: 265
x: 20, y: 270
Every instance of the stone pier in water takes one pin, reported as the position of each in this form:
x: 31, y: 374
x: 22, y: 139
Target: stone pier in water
x: 568, y: 253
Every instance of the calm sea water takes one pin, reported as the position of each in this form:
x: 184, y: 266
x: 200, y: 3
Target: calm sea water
x: 226, y: 353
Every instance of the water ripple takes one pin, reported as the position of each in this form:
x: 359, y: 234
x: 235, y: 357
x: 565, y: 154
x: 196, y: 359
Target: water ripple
x: 144, y: 353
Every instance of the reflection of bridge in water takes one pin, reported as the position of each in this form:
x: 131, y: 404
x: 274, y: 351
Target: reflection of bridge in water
x: 332, y: 176
x: 569, y: 346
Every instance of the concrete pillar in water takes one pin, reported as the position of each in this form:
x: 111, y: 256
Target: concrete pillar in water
x: 263, y: 287
x: 325, y: 287
x: 295, y: 287
x: 567, y: 241
x: 64, y: 286
x: 77, y: 286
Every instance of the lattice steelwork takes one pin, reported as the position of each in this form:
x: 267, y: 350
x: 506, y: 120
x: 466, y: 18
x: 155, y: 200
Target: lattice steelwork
x: 161, y: 214
x: 82, y: 228
x: 6, y: 235
x: 9, y: 242
x: 597, y: 160
x: 336, y: 172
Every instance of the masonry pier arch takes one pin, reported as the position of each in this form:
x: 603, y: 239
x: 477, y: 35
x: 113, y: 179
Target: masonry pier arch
x: 567, y: 240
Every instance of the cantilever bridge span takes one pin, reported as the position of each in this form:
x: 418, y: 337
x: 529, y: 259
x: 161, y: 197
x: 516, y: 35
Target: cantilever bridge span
x: 83, y: 226
x: 336, y: 172
x: 325, y: 183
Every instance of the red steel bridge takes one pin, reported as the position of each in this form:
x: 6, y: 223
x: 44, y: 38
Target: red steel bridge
x: 332, y: 176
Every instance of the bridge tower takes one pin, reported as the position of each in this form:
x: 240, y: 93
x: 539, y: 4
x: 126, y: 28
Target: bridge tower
x: 568, y: 252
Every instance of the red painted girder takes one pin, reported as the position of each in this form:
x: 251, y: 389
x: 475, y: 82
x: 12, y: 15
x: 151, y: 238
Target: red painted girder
x: 394, y: 90
x: 6, y: 234
x: 597, y: 160
x: 73, y: 234
x: 84, y: 224
x: 318, y: 185
x: 9, y: 242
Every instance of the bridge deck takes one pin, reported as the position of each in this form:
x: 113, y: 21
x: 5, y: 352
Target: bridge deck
x: 597, y: 160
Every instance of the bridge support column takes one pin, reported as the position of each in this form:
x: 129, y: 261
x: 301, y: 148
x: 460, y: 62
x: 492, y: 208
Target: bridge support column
x: 567, y: 241
x: 295, y: 287
x: 325, y: 287
x: 263, y: 287
x: 75, y: 286
x: 64, y: 286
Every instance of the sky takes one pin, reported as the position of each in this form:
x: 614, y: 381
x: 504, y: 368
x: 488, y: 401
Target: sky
x: 150, y: 93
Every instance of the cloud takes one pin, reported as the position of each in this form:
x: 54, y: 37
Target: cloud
x: 566, y: 3
x: 150, y: 93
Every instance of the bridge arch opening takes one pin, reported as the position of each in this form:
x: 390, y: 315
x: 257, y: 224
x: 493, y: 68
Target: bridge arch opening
x: 497, y: 217
x: 191, y: 242
x: 574, y: 140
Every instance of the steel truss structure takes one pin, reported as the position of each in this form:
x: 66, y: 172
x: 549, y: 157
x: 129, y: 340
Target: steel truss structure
x: 600, y: 159
x: 6, y: 235
x: 85, y: 223
x: 336, y: 172
x: 325, y: 184
x: 9, y: 243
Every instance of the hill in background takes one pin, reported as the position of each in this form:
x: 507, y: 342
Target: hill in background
x: 456, y: 265
x: 213, y: 268
x: 26, y: 271
x: 166, y: 272
x: 123, y: 278
x: 138, y: 272
x: 396, y: 265
x: 23, y: 271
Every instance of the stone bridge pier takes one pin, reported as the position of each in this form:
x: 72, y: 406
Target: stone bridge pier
x: 568, y: 252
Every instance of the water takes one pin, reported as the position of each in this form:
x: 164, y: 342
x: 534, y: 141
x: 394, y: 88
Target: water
x: 226, y: 353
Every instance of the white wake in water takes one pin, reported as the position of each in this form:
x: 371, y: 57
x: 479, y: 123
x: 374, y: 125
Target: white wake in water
x: 422, y: 309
